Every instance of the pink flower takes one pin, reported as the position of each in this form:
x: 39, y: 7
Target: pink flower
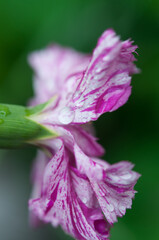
x: 72, y: 187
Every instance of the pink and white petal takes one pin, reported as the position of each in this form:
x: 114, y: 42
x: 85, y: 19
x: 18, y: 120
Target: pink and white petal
x: 77, y: 135
x: 52, y: 205
x: 116, y: 191
x: 86, y: 141
x: 55, y: 169
x: 121, y: 173
x: 89, y: 166
x: 53, y: 66
x: 87, y: 214
x: 89, y: 225
x: 83, y: 188
x: 105, y: 85
x: 61, y: 204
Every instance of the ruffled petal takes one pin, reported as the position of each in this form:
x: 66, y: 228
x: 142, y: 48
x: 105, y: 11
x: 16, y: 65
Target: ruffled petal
x: 85, y: 88
x: 112, y: 184
x: 89, y: 166
x: 116, y: 190
x: 86, y: 142
x: 67, y: 199
x: 105, y: 86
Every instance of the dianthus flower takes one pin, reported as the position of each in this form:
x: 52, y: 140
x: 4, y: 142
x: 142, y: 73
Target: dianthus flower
x: 72, y: 186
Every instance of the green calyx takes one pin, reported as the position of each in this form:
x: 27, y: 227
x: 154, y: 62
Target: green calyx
x: 17, y: 128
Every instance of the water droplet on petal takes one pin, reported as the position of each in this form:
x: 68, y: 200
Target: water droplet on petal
x: 98, y: 70
x: 84, y: 200
x: 110, y: 207
x: 66, y: 115
x: 106, y: 58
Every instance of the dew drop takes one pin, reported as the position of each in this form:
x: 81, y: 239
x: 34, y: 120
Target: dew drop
x: 110, y: 207
x: 4, y: 111
x: 98, y: 70
x: 2, y: 114
x: 66, y: 115
x: 84, y: 200
x: 106, y: 58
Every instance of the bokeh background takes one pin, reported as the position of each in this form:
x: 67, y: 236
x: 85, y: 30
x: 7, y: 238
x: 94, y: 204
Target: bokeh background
x: 130, y: 133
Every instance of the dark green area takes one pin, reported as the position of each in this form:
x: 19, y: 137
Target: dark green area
x: 130, y: 133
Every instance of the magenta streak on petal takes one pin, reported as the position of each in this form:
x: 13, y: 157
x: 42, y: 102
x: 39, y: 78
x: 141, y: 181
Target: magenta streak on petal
x: 62, y: 203
x: 81, y: 81
x: 53, y: 66
x: 49, y: 206
x: 86, y: 141
x: 117, y: 99
x: 54, y: 194
x: 70, y: 201
x: 122, y: 99
x: 113, y: 60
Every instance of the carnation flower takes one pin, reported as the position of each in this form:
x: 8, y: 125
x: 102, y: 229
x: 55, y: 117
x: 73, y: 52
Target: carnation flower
x: 72, y: 186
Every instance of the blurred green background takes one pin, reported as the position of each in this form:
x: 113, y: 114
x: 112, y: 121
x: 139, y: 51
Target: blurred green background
x: 130, y: 133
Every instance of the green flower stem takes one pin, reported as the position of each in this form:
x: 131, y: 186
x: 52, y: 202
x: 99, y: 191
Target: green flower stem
x: 17, y: 129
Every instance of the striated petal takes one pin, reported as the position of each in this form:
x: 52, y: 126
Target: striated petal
x: 90, y: 223
x: 105, y: 86
x: 72, y: 174
x: 86, y: 142
x: 53, y: 66
x: 67, y: 199
x: 85, y: 87
x: 72, y: 135
x: 91, y: 167
x: 83, y: 188
x: 116, y: 191
x: 112, y: 184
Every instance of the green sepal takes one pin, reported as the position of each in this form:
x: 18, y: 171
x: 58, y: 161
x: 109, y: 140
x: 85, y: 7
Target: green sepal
x: 31, y: 111
x: 17, y: 129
